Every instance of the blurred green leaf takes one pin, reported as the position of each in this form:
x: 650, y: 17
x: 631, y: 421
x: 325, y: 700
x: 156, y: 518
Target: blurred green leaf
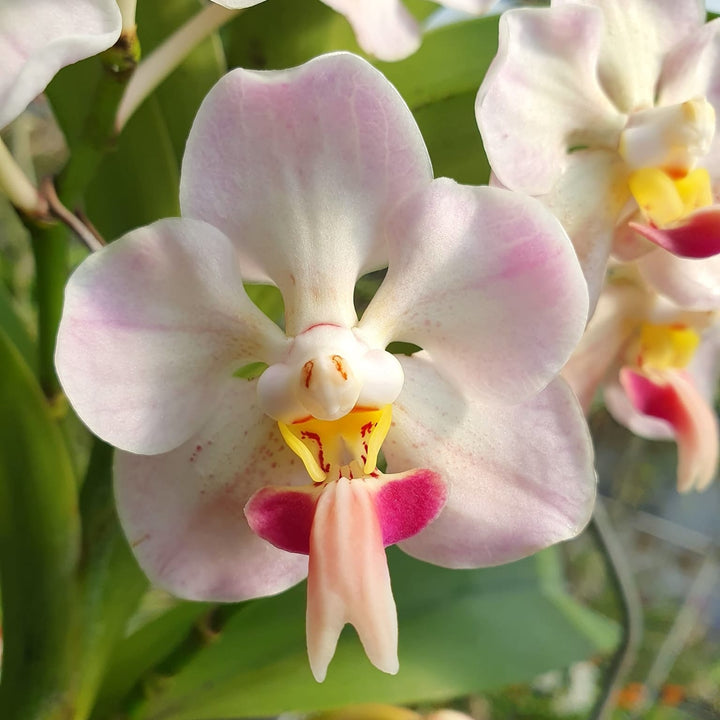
x: 283, y: 33
x: 15, y: 330
x: 111, y: 581
x: 137, y: 182
x: 439, y: 83
x: 39, y: 551
x: 138, y: 654
x: 460, y: 632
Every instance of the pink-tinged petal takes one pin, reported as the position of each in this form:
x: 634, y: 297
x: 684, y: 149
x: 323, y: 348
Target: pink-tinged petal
x: 237, y: 4
x: 488, y: 283
x: 605, y: 337
x: 692, y: 67
x: 153, y: 327
x: 300, y: 168
x: 588, y: 199
x: 698, y: 236
x: 183, y: 511
x: 541, y: 96
x: 472, y: 7
x: 676, y: 401
x: 348, y: 579
x: 638, y: 35
x: 38, y: 37
x: 520, y: 477
x: 691, y: 284
x: 383, y: 28
x: 692, y: 70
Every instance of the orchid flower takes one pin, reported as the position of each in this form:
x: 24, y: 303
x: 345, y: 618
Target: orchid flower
x: 607, y: 111
x: 383, y: 28
x: 309, y: 178
x: 658, y: 365
x: 38, y: 38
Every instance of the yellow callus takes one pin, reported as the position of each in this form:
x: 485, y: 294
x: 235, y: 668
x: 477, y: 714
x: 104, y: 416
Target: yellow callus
x: 664, y: 199
x: 344, y: 447
x: 664, y: 347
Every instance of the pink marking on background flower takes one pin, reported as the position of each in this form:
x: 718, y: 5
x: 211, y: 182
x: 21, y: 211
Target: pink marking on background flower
x: 697, y: 237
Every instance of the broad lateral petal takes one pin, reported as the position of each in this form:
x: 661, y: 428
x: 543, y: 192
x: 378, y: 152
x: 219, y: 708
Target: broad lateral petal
x: 319, y: 155
x: 695, y: 427
x: 383, y: 28
x: 690, y: 283
x: 183, y: 511
x: 587, y: 200
x: 38, y: 38
x: 520, y: 477
x: 541, y: 96
x: 638, y: 34
x: 697, y: 236
x: 348, y: 579
x: 515, y: 305
x: 153, y: 326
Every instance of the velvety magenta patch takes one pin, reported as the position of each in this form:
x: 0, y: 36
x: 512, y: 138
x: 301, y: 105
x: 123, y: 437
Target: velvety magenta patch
x: 283, y: 517
x: 409, y: 502
x: 698, y: 237
x: 649, y: 398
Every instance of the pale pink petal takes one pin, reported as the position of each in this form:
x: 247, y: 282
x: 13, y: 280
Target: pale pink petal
x: 588, y: 200
x: 541, y: 97
x: 638, y: 35
x: 520, y: 477
x: 38, y: 37
x: 153, y: 327
x: 473, y: 7
x: 606, y: 336
x: 488, y: 283
x: 348, y: 580
x: 300, y: 168
x: 237, y: 4
x: 383, y: 28
x: 697, y: 236
x: 183, y: 511
x: 692, y: 284
x: 677, y: 402
x: 692, y: 70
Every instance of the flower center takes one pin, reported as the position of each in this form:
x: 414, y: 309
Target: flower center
x: 661, y: 147
x: 666, y: 347
x: 347, y: 447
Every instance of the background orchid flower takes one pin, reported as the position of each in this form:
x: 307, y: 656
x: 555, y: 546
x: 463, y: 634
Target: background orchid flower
x: 309, y: 178
x: 38, y: 38
x: 606, y: 110
x: 658, y: 365
x: 383, y: 28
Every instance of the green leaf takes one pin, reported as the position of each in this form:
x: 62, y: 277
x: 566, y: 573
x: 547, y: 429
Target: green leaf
x: 111, y: 581
x: 15, y: 330
x: 39, y: 551
x: 460, y: 632
x: 283, y: 33
x: 137, y: 655
x: 439, y: 83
